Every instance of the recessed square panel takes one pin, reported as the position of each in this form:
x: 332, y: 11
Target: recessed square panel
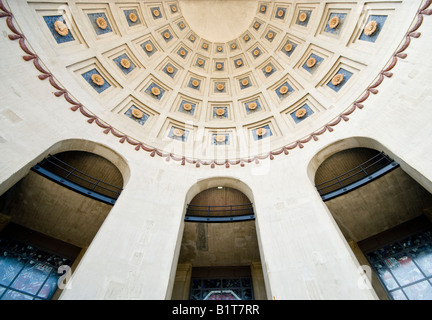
x: 301, y: 113
x: 373, y: 27
x: 100, y: 23
x: 59, y: 29
x: 137, y: 115
x: 124, y: 63
x: 263, y: 132
x: 132, y: 17
x: 339, y: 80
x: 94, y: 78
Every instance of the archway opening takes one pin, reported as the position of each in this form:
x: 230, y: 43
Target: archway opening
x: 387, y: 221
x: 219, y: 260
x: 47, y: 223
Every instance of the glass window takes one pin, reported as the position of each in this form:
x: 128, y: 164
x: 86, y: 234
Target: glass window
x: 405, y: 267
x: 26, y: 272
x: 221, y: 289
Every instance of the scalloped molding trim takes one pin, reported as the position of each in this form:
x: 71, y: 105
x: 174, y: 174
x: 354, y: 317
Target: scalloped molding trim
x: 358, y: 104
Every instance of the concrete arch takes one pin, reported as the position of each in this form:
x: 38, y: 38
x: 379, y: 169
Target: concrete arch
x: 182, y: 271
x: 358, y: 141
x: 72, y: 144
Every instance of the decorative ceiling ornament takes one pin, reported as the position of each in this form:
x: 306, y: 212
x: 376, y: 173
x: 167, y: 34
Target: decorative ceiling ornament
x: 300, y: 113
x: 302, y: 17
x: 133, y: 17
x: 283, y: 90
x: 233, y: 46
x: 288, y: 47
x: 239, y: 63
x: 205, y: 45
x: 268, y: 69
x: 182, y: 25
x: 261, y: 131
x: 61, y: 28
x: 280, y: 13
x: 245, y: 82
x: 334, y: 22
x: 125, y: 63
x: 178, y: 132
x: 148, y: 47
x: 256, y: 52
x: 192, y: 38
x: 170, y: 69
x: 174, y: 9
x: 137, y: 113
x: 156, y: 12
x: 101, y: 23
x: 220, y: 111
x: 166, y: 35
x: 263, y: 9
x: 370, y: 28
x: 337, y: 79
x: 256, y: 25
x: 155, y: 91
x: 220, y: 87
x: 252, y: 106
x: 182, y: 53
x: 246, y: 38
x: 270, y: 35
x: 311, y: 62
x: 187, y: 106
x: 219, y: 49
x: 220, y: 138
x: 97, y: 79
x: 200, y: 62
x: 218, y: 66
x: 195, y: 83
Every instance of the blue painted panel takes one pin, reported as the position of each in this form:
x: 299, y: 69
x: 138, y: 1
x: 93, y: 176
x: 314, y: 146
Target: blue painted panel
x: 99, y: 89
x: 309, y: 112
x: 118, y: 60
x: 380, y: 19
x: 131, y: 23
x: 346, y: 76
x: 99, y: 31
x: 50, y: 20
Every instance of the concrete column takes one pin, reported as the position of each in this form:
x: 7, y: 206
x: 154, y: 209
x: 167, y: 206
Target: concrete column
x: 304, y: 253
x: 258, y: 281
x: 182, y: 282
x: 133, y: 254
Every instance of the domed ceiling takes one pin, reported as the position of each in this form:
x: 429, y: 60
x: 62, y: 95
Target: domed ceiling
x: 214, y: 82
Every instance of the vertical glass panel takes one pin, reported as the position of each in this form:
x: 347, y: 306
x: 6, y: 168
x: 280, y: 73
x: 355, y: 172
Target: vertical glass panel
x: 10, y: 266
x: 14, y: 295
x: 398, y: 295
x: 32, y: 277
x: 404, y: 270
x: 49, y: 287
x: 419, y: 291
x: 385, y: 275
x: 423, y: 257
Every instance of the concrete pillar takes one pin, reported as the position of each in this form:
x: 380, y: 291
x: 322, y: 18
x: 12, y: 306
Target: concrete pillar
x: 133, y: 254
x: 258, y: 281
x: 304, y: 253
x: 182, y: 282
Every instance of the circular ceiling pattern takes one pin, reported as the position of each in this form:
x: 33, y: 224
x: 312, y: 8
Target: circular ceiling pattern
x: 215, y: 82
